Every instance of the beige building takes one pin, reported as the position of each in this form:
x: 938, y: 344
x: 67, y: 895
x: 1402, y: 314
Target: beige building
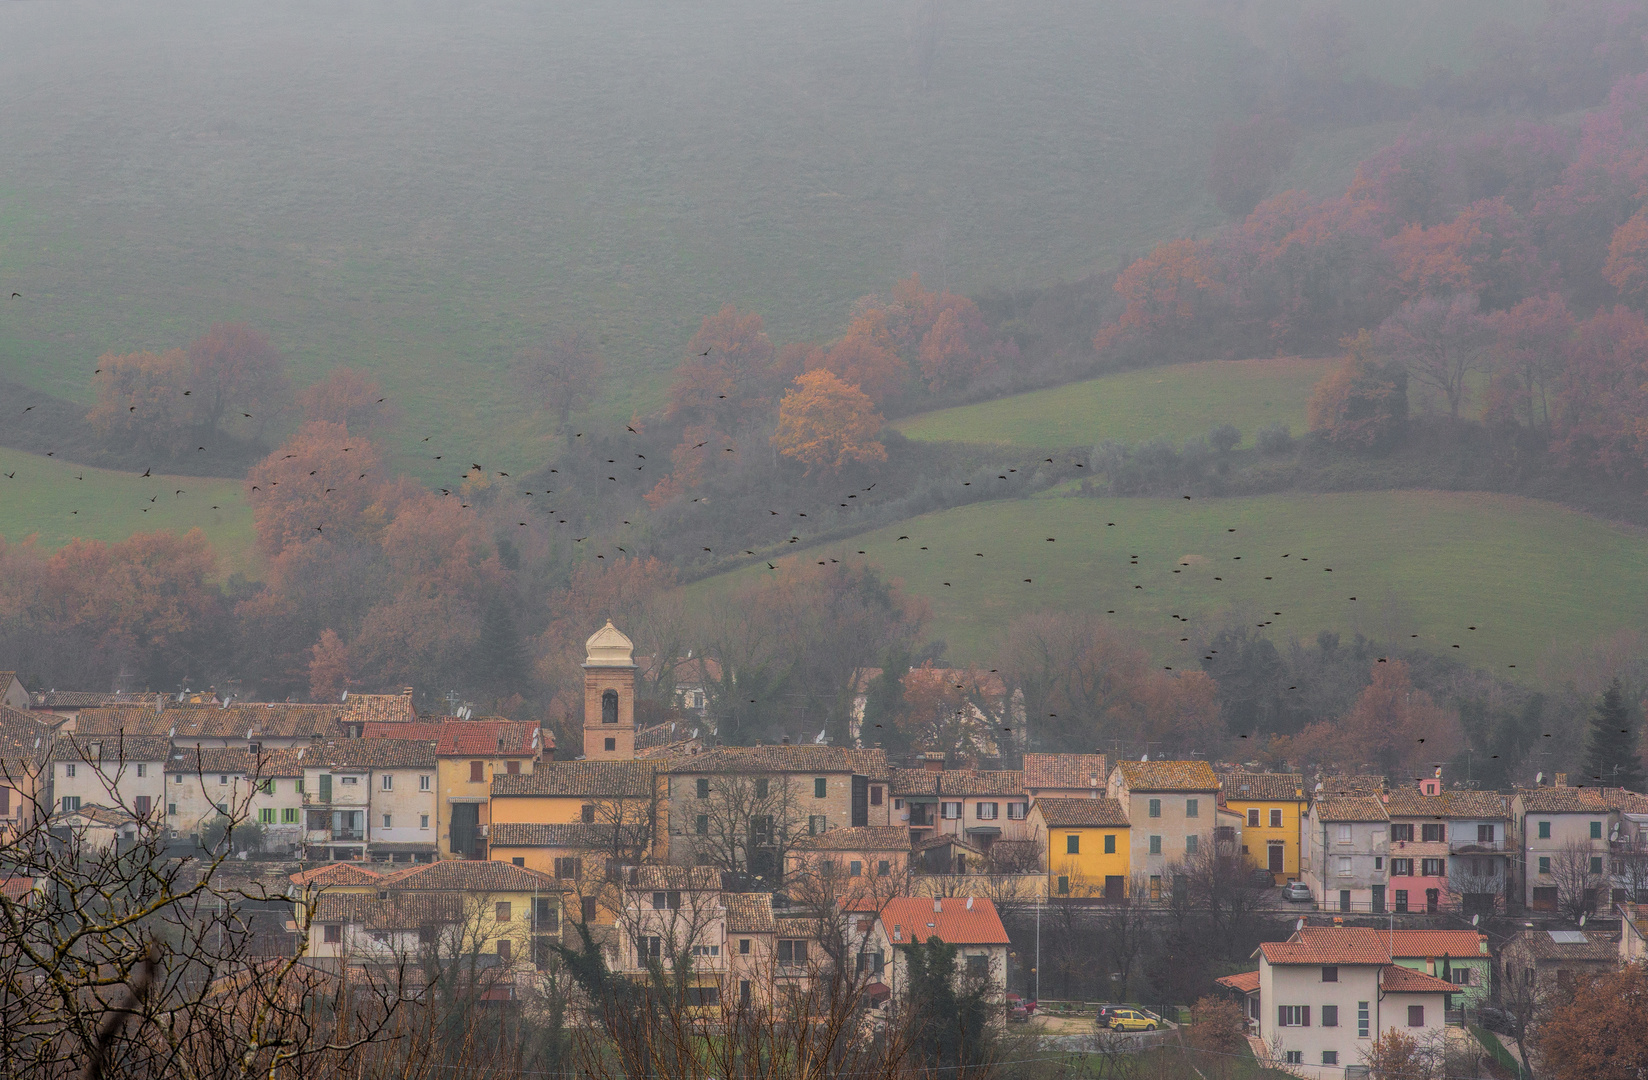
x: 978, y: 807
x: 13, y: 694
x: 1562, y: 844
x: 1066, y: 776
x: 1344, y: 849
x: 1173, y: 808
x: 203, y: 784
x: 863, y: 859
x: 25, y: 771
x: 876, y: 930
x: 370, y: 799
x: 113, y: 771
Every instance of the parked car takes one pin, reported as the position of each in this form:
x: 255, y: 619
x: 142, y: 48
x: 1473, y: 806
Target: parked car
x: 1017, y: 1013
x: 1263, y: 879
x: 1296, y: 891
x: 1495, y: 1019
x: 1101, y: 1015
x: 1131, y: 1020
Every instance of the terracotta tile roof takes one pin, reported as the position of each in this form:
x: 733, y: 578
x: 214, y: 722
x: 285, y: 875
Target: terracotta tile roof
x: 957, y: 782
x: 666, y: 876
x: 1065, y: 771
x: 1168, y: 776
x: 577, y: 835
x: 110, y: 748
x: 1457, y: 803
x: 15, y: 888
x: 1563, y: 800
x: 749, y: 913
x: 659, y: 735
x: 189, y: 723
x: 1410, y: 944
x: 781, y: 759
x: 1328, y: 945
x: 399, y: 912
x: 1264, y: 787
x: 587, y: 779
x: 1590, y: 945
x: 939, y: 840
x: 233, y: 759
x: 956, y: 920
x: 98, y: 814
x: 1350, y: 808
x: 858, y: 838
x: 1396, y: 979
x: 471, y: 875
x: 1626, y: 802
x: 24, y: 742
x: 1082, y: 813
x: 339, y: 873
x: 463, y: 738
x: 411, y: 729
x: 379, y: 708
x: 1247, y: 982
x: 370, y: 754
x: 1343, y: 784
x: 78, y: 699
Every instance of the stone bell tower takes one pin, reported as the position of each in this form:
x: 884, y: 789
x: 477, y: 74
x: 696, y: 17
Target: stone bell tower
x: 609, y: 696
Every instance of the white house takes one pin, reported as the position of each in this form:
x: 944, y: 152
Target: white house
x: 1327, y: 992
x: 204, y: 783
x: 370, y: 798
x: 1344, y: 843
x: 876, y: 931
x: 112, y: 771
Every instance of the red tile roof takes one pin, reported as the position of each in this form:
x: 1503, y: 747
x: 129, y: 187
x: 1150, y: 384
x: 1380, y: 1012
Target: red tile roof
x: 235, y: 760
x: 1247, y: 982
x: 858, y: 838
x: 955, y: 919
x: 582, y: 779
x: 1396, y: 979
x: 749, y: 913
x: 471, y: 875
x: 1350, y: 808
x: 1065, y: 771
x: 340, y: 873
x: 1329, y: 945
x: 1564, y: 800
x: 1264, y: 787
x: 1168, y: 776
x: 1488, y: 805
x: 189, y: 723
x: 370, y: 754
x: 390, y: 708
x: 779, y: 759
x: 15, y: 888
x: 957, y: 782
x: 1082, y: 813
x: 1411, y: 944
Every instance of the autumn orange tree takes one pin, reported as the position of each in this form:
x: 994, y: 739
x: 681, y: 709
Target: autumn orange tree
x: 1164, y: 292
x: 1602, y: 1033
x: 826, y: 424
x: 234, y: 369
x: 140, y: 398
x: 319, y: 479
x: 347, y: 397
x: 1393, y: 724
x: 1365, y: 402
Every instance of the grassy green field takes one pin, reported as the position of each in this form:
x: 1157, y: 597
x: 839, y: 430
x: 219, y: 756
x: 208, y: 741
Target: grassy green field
x: 44, y: 495
x: 1526, y: 574
x: 1177, y: 402
x: 423, y: 192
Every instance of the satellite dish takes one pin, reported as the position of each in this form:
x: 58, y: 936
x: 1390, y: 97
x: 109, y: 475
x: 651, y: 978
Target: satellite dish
x: 1476, y: 919
x: 1582, y: 920
x: 1300, y: 925
x: 1539, y: 778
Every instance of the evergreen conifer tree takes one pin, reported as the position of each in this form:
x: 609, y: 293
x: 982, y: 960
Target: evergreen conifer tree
x: 1611, y: 755
x: 501, y: 660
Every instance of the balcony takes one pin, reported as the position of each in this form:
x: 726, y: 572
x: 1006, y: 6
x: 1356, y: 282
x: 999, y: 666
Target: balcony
x: 1478, y: 847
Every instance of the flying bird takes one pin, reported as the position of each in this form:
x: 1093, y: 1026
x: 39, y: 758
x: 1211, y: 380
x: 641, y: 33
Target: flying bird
x: 145, y: 473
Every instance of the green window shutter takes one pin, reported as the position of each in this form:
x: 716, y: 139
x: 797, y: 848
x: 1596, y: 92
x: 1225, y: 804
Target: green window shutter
x: 325, y: 787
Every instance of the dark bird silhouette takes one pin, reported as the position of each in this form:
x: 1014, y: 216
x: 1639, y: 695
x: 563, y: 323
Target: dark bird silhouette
x: 631, y: 430
x: 13, y: 476
x: 317, y: 528
x: 30, y: 407
x: 770, y: 566
x: 706, y: 352
x: 16, y: 296
x: 186, y: 393
x: 145, y: 472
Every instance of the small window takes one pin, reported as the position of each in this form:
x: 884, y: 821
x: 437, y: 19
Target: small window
x: 1596, y: 826
x: 267, y: 787
x: 266, y: 817
x: 1329, y: 1057
x: 477, y: 772
x: 389, y: 781
x: 1253, y: 818
x: 345, y: 779
x: 518, y: 860
x: 1596, y: 864
x: 1155, y: 808
x: 223, y: 778
x: 71, y: 803
x: 500, y: 911
x: 68, y: 770
x: 1064, y: 886
x: 1072, y: 844
x: 423, y: 783
x: 821, y: 787
x: 817, y: 824
x: 171, y: 808
x: 1363, y: 1019
x: 1110, y: 843
x: 883, y: 868
x: 1431, y: 832
x: 505, y: 950
x: 875, y: 794
x: 701, y: 825
x: 855, y: 868
x: 1193, y: 808
x: 744, y: 946
x: 609, y: 745
x: 1017, y: 811
x: 1330, y: 1016
x: 1329, y: 974
x: 1155, y: 845
x: 1276, y: 819
x: 140, y: 769
x: 288, y: 815
x: 1344, y: 866
x: 1544, y: 830
x: 423, y: 821
x: 332, y: 933
x: 586, y: 908
x: 1344, y: 834
x: 1402, y: 833
x: 1192, y: 844
x: 1293, y: 1057
x: 586, y: 813
x: 386, y: 820
x: 1544, y: 864
x: 1432, y: 867
x: 702, y: 786
x: 762, y: 786
x: 985, y: 811
x: 1416, y: 1016
x: 950, y: 811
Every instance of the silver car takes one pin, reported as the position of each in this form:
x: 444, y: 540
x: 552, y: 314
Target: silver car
x: 1296, y: 890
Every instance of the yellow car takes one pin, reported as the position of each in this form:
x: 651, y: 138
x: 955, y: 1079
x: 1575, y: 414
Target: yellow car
x: 1130, y: 1020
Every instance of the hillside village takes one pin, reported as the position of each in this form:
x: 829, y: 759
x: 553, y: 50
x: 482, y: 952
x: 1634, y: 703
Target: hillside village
x: 385, y: 830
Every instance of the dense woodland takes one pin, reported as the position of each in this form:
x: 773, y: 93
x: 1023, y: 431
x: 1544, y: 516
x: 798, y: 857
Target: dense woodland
x: 1487, y: 294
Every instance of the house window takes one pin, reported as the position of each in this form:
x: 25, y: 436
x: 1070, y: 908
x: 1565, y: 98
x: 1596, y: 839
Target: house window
x: 1544, y: 830
x: 1344, y: 866
x: 171, y: 808
x: 883, y: 868
x: 389, y: 781
x: 669, y: 900
x: 568, y: 867
x: 1293, y: 1057
x: 792, y: 953
x: 1016, y: 811
x: 1329, y: 974
x: 1416, y: 1016
x: 649, y: 948
x: 1378, y: 863
x: 701, y: 825
x: 1330, y: 1057
x: 1330, y: 1016
x: 1110, y: 843
x: 855, y: 868
x: 332, y: 933
x: 821, y: 787
x: 978, y: 965
x: 1401, y: 868
x: 1064, y: 886
x: 1433, y: 867
x: 518, y: 860
x: 68, y: 770
x: 1363, y: 1019
x: 1155, y: 886
x: 1401, y: 901
x: 1596, y: 864
x: 288, y: 815
x: 1276, y: 819
x: 1155, y: 845
x: 1293, y: 1015
x: 512, y: 768
x: 609, y: 744
x: 1155, y: 808
x: 1596, y: 826
x: 1484, y: 834
x: 761, y: 786
x: 500, y: 911
x: 267, y: 787
x: 477, y: 772
x: 586, y: 813
x: 1344, y: 834
x: 140, y: 769
x: 1193, y: 807
x: 1402, y: 832
x: 423, y: 783
x: 1253, y: 818
x: 744, y: 993
x: 1431, y: 833
x: 386, y: 820
x: 703, y: 787
x: 1191, y: 843
x: 505, y: 949
x: 875, y: 794
x: 950, y: 811
x: 71, y: 803
x: 985, y: 811
x: 1544, y: 864
x: 586, y: 908
x: 423, y: 821
x: 1461, y: 976
x: 817, y: 824
x: 1072, y: 844
x: 266, y: 817
x: 744, y: 946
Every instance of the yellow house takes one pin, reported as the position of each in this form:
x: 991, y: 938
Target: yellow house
x: 1272, y: 806
x: 1087, y: 846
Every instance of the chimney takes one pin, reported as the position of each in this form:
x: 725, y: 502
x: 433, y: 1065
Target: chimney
x: 938, y: 906
x: 933, y: 761
x: 1561, y: 779
x: 406, y: 691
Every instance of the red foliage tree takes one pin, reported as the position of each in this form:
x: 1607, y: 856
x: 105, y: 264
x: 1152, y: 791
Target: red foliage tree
x: 1601, y: 418
x: 1165, y: 291
x: 825, y: 424
x: 1365, y: 402
x: 347, y: 397
x: 235, y: 370
x: 1529, y: 344
x: 1484, y: 249
x: 318, y: 485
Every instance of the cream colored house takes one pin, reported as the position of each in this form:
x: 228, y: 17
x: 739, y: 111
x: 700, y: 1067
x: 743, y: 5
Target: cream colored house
x: 112, y: 771
x: 370, y: 798
x: 876, y: 929
x: 1174, y: 812
x: 204, y: 784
